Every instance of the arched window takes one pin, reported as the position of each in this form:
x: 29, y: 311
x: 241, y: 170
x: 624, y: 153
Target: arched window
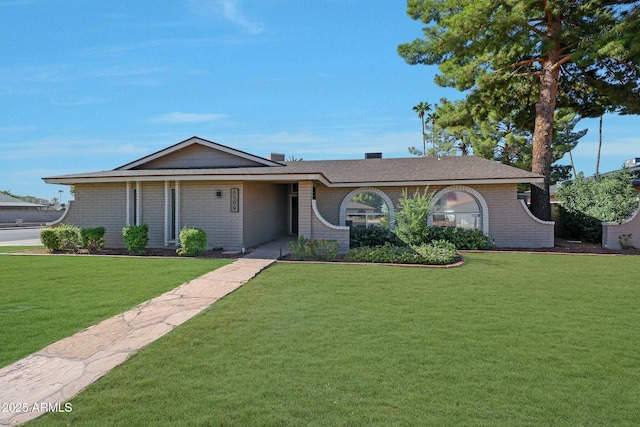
x: 460, y: 206
x: 366, y: 207
x: 456, y: 209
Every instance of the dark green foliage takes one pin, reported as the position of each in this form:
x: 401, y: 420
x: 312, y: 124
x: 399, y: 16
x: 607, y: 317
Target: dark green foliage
x: 92, y: 238
x: 314, y: 250
x: 435, y: 253
x: 386, y: 253
x: 371, y: 236
x: 579, y: 226
x: 461, y: 238
x: 588, y: 202
x: 49, y: 239
x: 136, y: 238
x: 193, y: 241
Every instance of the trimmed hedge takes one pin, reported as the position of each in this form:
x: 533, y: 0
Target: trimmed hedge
x: 92, y: 238
x: 64, y: 237
x: 136, y: 238
x: 371, y: 236
x: 435, y: 253
x: 193, y: 241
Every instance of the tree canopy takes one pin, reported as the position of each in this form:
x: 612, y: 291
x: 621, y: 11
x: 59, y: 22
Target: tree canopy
x: 523, y: 59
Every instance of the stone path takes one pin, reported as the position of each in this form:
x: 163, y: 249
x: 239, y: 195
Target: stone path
x: 45, y: 380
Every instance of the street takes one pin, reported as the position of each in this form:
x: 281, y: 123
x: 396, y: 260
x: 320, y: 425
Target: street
x: 20, y: 237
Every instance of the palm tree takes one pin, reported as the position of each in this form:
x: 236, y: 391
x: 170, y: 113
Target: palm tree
x: 422, y: 108
x: 432, y: 117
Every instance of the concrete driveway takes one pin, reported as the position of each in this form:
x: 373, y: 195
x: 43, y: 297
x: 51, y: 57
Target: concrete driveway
x: 20, y: 236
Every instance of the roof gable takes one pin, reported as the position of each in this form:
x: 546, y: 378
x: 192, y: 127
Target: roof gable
x: 197, y: 153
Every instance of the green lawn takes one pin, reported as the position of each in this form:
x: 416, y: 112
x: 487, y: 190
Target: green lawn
x: 46, y: 298
x: 507, y: 339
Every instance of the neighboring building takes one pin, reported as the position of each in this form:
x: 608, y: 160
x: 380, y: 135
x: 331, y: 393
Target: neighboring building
x: 241, y: 200
x: 16, y: 212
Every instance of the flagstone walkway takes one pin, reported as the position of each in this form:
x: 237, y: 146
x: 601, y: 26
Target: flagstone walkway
x: 45, y: 380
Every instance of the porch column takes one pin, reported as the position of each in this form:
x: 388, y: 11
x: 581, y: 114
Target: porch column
x: 167, y: 211
x: 305, y: 194
x: 128, y: 196
x: 177, y: 213
x: 138, y: 203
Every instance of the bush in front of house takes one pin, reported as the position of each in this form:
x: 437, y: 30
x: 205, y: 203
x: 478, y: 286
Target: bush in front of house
x: 49, y: 239
x: 435, y: 253
x: 576, y: 225
x: 462, y: 238
x: 371, y: 236
x: 193, y: 241
x: 314, y: 250
x: 92, y: 238
x: 412, y: 217
x: 136, y: 238
x: 438, y: 252
x: 387, y: 253
x: 68, y: 237
x: 586, y: 203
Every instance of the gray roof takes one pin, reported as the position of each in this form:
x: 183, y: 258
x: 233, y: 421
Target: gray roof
x: 7, y: 201
x: 392, y: 171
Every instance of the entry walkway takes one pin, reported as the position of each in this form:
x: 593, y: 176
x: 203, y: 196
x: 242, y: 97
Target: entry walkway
x: 45, y: 380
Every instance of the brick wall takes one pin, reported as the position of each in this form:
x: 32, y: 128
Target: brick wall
x: 98, y: 205
x: 510, y: 224
x: 199, y: 207
x: 612, y: 231
x: 265, y: 212
x: 322, y: 229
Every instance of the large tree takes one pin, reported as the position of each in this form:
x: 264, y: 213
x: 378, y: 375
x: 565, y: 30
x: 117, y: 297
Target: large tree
x: 579, y: 54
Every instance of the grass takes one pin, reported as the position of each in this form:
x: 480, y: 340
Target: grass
x: 507, y: 339
x: 47, y: 298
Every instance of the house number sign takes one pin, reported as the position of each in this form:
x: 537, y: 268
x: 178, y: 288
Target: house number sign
x: 235, y: 200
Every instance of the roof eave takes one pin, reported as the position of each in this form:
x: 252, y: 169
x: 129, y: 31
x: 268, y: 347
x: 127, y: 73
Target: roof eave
x: 290, y: 177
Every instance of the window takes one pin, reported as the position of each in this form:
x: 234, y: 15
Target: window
x: 457, y: 209
x: 367, y: 209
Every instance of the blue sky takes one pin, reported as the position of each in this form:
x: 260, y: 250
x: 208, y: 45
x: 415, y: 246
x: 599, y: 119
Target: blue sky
x: 92, y: 85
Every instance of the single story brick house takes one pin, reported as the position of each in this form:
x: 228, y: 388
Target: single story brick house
x: 242, y: 200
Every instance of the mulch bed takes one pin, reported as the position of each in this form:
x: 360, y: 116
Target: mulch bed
x: 575, y: 247
x: 561, y: 246
x: 149, y: 252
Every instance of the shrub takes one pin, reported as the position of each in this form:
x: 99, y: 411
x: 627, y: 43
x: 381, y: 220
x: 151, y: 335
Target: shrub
x: 579, y: 226
x: 317, y: 250
x: 462, y: 238
x: 49, y: 239
x: 386, y: 253
x: 136, y: 238
x: 438, y: 252
x: 412, y: 216
x: 92, y: 238
x: 68, y: 237
x: 371, y: 236
x: 193, y: 241
x: 588, y: 202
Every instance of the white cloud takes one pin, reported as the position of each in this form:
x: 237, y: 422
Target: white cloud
x: 177, y: 117
x: 229, y: 10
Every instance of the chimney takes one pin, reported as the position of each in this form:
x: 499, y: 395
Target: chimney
x: 632, y: 163
x: 372, y: 155
x: 276, y: 157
